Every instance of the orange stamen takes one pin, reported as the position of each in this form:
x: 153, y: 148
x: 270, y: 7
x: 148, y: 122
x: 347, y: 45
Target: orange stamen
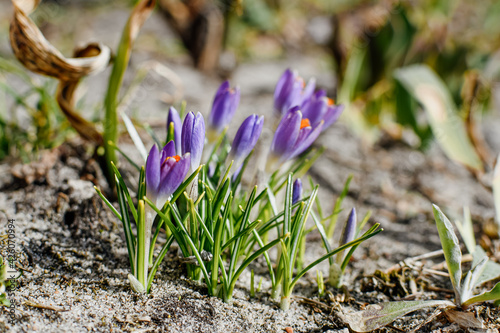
x: 176, y: 158
x: 302, y: 82
x: 304, y: 123
x: 330, y: 101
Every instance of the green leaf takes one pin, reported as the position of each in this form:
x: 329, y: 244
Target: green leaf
x: 129, y: 237
x: 336, y: 209
x: 158, y: 261
x: 136, y: 139
x: 190, y: 243
x: 491, y: 270
x: 448, y: 128
x: 492, y: 295
x: 298, y: 231
x: 451, y: 248
x: 109, y: 204
x: 237, y: 244
x: 323, y: 235
x: 179, y: 237
x: 375, y: 316
x: 242, y: 233
x: 121, y: 183
x: 370, y: 233
x: 254, y: 256
x: 496, y: 192
x: 185, y: 184
x: 288, y: 205
x: 467, y: 231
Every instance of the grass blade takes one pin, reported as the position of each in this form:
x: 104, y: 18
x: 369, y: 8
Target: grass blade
x: 129, y: 237
x: 337, y: 250
x: 136, y: 139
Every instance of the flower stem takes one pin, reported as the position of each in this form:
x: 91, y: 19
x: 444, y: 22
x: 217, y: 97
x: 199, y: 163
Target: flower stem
x: 142, y: 248
x: 276, y: 291
x: 285, y: 303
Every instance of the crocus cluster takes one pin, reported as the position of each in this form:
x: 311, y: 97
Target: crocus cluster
x: 212, y: 207
x: 189, y: 140
x: 305, y: 114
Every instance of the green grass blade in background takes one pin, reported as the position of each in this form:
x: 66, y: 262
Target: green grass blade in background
x: 136, y: 139
x: 137, y: 18
x: 466, y: 230
x: 448, y: 128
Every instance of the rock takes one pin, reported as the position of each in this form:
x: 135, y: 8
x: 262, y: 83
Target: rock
x: 80, y: 190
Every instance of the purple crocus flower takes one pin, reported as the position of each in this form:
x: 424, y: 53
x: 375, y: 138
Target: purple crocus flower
x: 319, y: 107
x: 349, y: 228
x: 246, y: 138
x: 193, y: 138
x: 165, y: 171
x: 291, y: 91
x: 297, y: 191
x: 293, y: 135
x: 225, y: 103
x: 173, y: 117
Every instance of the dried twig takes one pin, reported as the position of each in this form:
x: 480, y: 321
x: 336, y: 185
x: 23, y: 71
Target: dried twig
x: 46, y: 307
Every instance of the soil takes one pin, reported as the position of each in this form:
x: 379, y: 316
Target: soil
x: 72, y: 250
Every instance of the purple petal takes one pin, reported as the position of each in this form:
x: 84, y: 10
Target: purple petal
x: 175, y: 176
x: 288, y: 92
x: 294, y: 97
x: 165, y: 168
x: 279, y: 91
x: 193, y: 138
x: 173, y: 116
x: 246, y: 137
x: 197, y: 141
x: 225, y: 103
x: 349, y: 228
x: 168, y: 150
x: 287, y: 133
x: 332, y: 114
x: 308, y: 90
x: 297, y: 191
x: 153, y: 171
x: 315, y: 109
x: 305, y: 141
x: 187, y: 131
x: 222, y: 89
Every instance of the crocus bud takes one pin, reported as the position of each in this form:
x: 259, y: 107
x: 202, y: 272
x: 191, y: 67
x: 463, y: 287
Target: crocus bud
x: 193, y: 138
x: 297, y: 191
x: 246, y: 138
x: 225, y: 103
x: 173, y: 117
x: 319, y: 107
x: 349, y: 228
x: 293, y: 136
x: 291, y: 91
x: 165, y: 171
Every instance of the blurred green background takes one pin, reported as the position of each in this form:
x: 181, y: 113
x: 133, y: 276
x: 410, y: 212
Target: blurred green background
x: 366, y: 46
